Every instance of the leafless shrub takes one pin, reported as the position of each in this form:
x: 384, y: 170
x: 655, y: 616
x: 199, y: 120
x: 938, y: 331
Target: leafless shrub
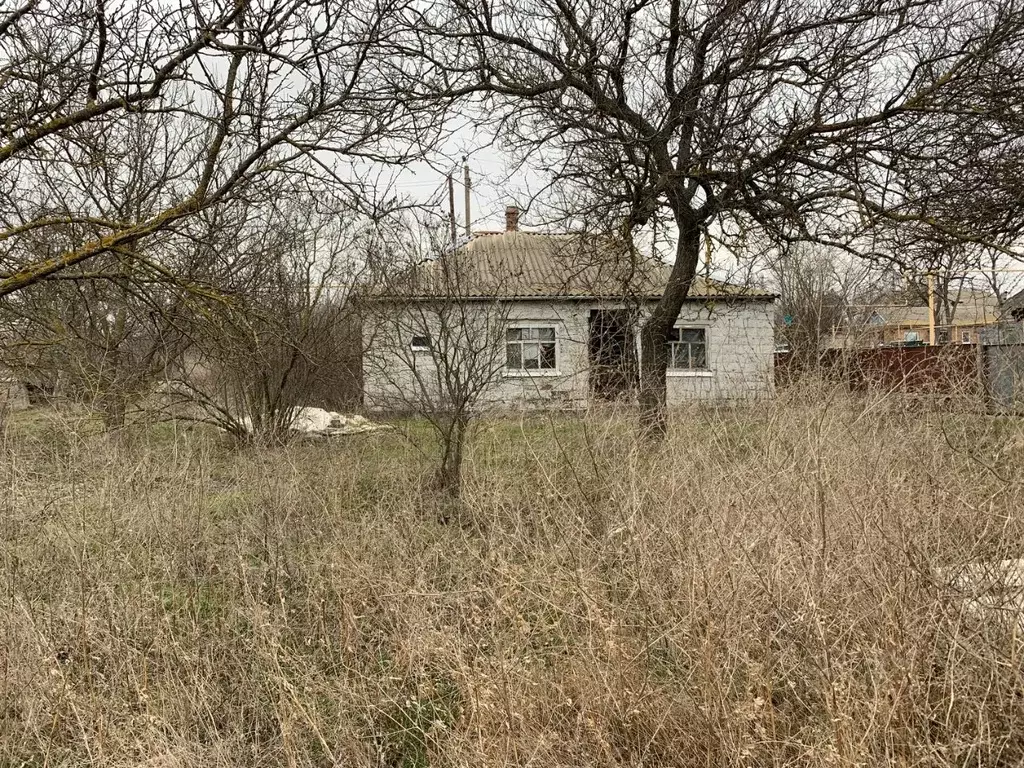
x: 281, y: 336
x: 819, y: 293
x: 434, y: 339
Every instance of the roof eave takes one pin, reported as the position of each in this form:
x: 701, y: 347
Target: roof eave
x: 766, y: 297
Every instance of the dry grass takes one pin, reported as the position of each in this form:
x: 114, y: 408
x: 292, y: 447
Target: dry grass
x: 759, y: 592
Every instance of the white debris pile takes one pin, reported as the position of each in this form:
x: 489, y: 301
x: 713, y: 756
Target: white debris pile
x: 317, y: 422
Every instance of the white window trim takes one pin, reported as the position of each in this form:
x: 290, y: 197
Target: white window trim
x: 419, y: 347
x: 701, y: 373
x: 528, y: 373
x: 515, y: 373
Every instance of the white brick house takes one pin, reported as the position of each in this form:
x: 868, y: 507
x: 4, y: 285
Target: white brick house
x: 551, y: 321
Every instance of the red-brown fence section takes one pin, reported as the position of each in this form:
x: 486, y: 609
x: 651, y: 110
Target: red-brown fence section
x: 936, y: 370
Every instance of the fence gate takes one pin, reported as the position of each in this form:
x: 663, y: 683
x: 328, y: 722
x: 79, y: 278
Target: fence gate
x: 1002, y: 367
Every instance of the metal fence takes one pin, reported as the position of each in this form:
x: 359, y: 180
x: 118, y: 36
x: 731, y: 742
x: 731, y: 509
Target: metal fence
x: 990, y: 373
x: 1001, y: 364
x: 937, y: 370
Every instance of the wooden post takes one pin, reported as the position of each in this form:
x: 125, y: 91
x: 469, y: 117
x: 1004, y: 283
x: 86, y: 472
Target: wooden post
x: 465, y: 174
x: 931, y: 309
x: 451, y: 208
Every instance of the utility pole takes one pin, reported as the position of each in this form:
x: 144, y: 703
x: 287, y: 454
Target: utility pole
x: 931, y: 309
x: 707, y: 256
x: 468, y: 185
x: 451, y: 208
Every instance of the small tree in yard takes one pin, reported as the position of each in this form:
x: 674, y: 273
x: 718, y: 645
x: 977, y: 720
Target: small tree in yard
x: 282, y: 337
x: 100, y: 343
x: 758, y: 120
x: 104, y: 341
x: 436, y: 347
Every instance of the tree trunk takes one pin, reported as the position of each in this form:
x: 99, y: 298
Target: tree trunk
x: 114, y: 408
x: 449, y: 474
x: 653, y: 390
x: 654, y: 332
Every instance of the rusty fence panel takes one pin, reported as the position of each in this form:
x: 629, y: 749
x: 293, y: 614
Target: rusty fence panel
x: 944, y: 370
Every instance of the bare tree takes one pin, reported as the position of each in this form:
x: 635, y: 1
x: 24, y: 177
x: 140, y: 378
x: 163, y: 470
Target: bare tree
x: 757, y: 119
x: 104, y: 343
x: 819, y: 290
x: 938, y: 271
x: 435, y: 341
x: 280, y: 335
x: 123, y: 122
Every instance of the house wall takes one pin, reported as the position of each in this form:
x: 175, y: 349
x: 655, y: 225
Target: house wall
x: 397, y: 378
x: 740, y: 351
x: 568, y: 386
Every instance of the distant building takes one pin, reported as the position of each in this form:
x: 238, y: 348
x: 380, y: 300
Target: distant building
x: 904, y: 324
x: 1013, y: 307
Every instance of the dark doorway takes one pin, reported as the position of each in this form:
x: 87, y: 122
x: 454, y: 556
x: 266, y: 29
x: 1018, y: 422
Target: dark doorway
x: 613, y: 368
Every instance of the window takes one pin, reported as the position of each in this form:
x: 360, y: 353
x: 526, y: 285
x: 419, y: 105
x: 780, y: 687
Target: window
x: 965, y: 337
x: 420, y: 343
x: 688, y: 349
x: 530, y: 349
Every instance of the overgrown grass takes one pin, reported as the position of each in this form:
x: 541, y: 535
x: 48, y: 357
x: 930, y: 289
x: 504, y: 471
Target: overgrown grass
x: 761, y: 590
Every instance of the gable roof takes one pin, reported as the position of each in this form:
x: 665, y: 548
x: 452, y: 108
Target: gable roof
x: 529, y: 265
x: 974, y: 308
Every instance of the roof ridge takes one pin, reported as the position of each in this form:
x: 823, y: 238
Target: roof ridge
x: 496, y: 232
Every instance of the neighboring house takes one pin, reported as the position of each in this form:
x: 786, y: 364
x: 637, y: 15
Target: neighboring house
x: 1013, y: 307
x: 909, y: 324
x: 560, y: 314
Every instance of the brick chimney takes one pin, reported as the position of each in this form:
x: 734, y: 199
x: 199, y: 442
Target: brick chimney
x: 511, y: 219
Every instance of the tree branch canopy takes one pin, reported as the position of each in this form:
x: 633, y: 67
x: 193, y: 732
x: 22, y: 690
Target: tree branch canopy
x: 126, y: 121
x: 771, y: 120
x: 774, y: 109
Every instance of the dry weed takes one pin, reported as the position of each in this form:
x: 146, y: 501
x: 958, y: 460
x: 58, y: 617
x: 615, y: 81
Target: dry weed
x: 760, y: 591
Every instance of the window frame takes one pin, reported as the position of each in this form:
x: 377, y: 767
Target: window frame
x: 705, y: 371
x: 414, y: 347
x: 530, y: 372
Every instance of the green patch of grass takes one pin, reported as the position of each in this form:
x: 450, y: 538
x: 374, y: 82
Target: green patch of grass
x: 409, y: 731
x: 195, y: 603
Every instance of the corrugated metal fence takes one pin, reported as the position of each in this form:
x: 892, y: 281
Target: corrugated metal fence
x: 1002, y: 367
x: 990, y: 373
x: 918, y: 370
